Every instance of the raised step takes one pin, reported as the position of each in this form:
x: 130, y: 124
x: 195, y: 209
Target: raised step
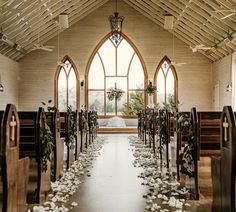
x: 115, y: 130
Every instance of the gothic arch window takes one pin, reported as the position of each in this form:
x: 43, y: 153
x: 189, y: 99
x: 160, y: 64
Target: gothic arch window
x: 66, y: 85
x: 166, y: 82
x: 115, y: 65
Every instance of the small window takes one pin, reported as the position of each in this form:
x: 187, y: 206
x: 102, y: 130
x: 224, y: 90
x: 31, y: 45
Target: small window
x: 67, y: 91
x: 166, y: 83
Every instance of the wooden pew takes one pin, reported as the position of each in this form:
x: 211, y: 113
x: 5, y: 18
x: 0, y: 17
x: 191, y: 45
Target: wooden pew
x: 182, y: 140
x: 65, y: 136
x: 31, y: 125
x: 209, y: 132
x: 224, y: 166
x: 83, y: 129
x: 194, y: 118
x: 53, y: 121
x: 14, y: 171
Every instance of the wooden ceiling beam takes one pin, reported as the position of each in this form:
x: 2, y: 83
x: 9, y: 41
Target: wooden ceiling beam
x: 181, y: 35
x: 35, y: 23
x: 72, y: 11
x: 76, y: 13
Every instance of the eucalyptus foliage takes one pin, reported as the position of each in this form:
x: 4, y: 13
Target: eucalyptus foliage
x: 47, y: 144
x: 72, y: 127
x: 49, y: 107
x: 150, y: 89
x: 162, y: 122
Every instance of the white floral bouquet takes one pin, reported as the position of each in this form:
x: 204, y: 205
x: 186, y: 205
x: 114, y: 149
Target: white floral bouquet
x: 114, y: 93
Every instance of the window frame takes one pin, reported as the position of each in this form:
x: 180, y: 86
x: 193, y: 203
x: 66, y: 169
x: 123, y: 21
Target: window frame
x: 95, y: 51
x: 166, y: 59
x: 65, y: 58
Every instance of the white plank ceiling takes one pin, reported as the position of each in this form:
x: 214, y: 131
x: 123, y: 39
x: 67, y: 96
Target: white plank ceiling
x: 195, y: 21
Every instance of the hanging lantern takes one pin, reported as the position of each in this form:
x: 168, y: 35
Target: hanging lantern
x: 116, y: 22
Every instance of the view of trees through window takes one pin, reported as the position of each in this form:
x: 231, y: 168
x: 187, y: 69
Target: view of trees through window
x: 115, y: 65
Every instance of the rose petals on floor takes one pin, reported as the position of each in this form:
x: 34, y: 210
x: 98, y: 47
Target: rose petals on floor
x: 164, y: 193
x: 63, y: 189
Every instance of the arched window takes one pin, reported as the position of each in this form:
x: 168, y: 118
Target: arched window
x: 166, y: 82
x: 66, y: 85
x: 115, y: 65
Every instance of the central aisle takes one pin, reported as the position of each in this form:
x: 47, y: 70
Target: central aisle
x: 113, y: 185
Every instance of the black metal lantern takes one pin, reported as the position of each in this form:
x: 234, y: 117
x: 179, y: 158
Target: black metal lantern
x: 116, y: 22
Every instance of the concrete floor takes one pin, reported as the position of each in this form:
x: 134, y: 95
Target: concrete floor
x: 113, y: 185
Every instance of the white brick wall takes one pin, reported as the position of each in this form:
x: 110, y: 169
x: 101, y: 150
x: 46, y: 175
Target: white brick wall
x: 9, y: 71
x: 153, y: 42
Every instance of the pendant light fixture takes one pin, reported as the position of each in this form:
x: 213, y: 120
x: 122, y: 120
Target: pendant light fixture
x: 1, y: 86
x: 116, y: 22
x: 229, y: 85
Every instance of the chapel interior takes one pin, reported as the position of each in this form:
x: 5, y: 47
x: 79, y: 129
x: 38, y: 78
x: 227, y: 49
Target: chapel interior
x: 117, y: 105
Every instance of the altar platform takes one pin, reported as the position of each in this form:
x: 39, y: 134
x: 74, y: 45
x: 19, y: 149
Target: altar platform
x: 118, y: 125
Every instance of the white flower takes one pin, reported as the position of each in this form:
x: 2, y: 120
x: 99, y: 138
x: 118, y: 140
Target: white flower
x: 74, y: 204
x: 38, y: 209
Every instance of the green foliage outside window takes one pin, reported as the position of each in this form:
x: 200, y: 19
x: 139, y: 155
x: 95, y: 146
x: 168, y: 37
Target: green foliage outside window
x: 136, y: 104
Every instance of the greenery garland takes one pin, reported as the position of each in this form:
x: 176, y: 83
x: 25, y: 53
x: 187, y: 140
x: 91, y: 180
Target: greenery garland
x: 84, y: 121
x: 185, y: 159
x: 162, y: 122
x: 72, y: 128
x: 47, y: 144
x: 93, y: 120
x: 49, y: 107
x: 150, y: 89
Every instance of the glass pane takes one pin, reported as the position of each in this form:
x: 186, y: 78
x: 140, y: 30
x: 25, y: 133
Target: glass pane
x: 124, y: 55
x: 170, y: 87
x: 116, y: 38
x: 165, y: 67
x: 96, y: 74
x: 72, y: 89
x: 136, y: 103
x: 121, y: 82
x: 67, y: 66
x: 110, y: 107
x: 120, y: 104
x: 107, y: 53
x: 96, y: 101
x: 160, y: 88
x: 136, y: 74
x: 62, y: 91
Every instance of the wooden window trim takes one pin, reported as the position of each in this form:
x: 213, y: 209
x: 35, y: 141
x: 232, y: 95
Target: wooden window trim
x: 65, y: 58
x: 159, y: 67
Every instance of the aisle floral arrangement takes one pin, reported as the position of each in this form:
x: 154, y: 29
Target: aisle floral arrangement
x: 164, y: 193
x: 186, y: 160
